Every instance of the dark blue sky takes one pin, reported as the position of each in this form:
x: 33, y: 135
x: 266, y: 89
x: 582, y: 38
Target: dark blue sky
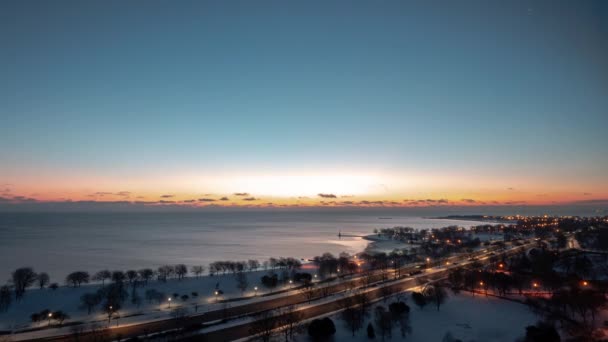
x: 514, y: 90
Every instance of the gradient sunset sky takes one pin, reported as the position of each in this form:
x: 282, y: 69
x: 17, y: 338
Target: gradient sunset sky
x: 335, y: 103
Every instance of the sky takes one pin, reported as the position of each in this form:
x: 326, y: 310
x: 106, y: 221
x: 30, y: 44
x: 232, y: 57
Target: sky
x: 313, y: 103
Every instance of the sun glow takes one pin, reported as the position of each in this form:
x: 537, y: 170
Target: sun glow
x: 303, y: 185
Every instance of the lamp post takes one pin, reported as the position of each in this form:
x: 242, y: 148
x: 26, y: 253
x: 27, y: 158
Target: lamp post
x: 169, y: 302
x: 256, y: 290
x: 290, y: 283
x: 50, y: 316
x: 216, y: 296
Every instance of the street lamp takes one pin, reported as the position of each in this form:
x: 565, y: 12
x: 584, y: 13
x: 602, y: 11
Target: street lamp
x: 585, y: 283
x: 216, y: 294
x: 256, y: 290
x: 50, y: 316
x: 290, y: 283
x: 169, y: 300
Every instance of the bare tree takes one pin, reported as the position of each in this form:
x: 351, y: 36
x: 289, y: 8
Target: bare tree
x: 253, y: 264
x: 23, y: 278
x: 352, y: 316
x: 43, y: 279
x: 102, y: 276
x: 383, y: 321
x: 89, y: 301
x: 288, y: 320
x: 197, y: 270
x: 263, y: 326
x: 241, y: 281
x: 181, y: 271
x: 77, y: 278
x: 5, y: 298
x: 146, y: 274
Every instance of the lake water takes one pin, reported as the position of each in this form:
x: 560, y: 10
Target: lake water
x: 58, y: 243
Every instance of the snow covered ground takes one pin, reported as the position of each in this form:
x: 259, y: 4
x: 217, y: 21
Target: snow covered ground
x: 67, y: 299
x: 468, y: 318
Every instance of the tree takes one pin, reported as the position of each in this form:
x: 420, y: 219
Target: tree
x: 146, y: 274
x: 289, y: 319
x: 43, y: 280
x: 22, y: 279
x: 270, y: 281
x: 353, y: 318
x: 320, y: 329
x: 436, y: 294
x: 89, y: 301
x: 132, y: 276
x: 400, y: 313
x: 253, y: 264
x: 542, y: 332
x: 5, y: 298
x: 263, y: 326
x: 118, y: 277
x: 102, y: 276
x: 383, y: 322
x: 54, y: 286
x: 77, y: 278
x: 241, y: 282
x: 197, y: 270
x: 419, y: 299
x: 181, y: 271
x: 60, y: 316
x: 370, y: 331
x: 35, y: 317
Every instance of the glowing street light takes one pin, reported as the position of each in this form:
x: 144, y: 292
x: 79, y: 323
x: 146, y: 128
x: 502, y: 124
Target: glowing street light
x: 169, y: 301
x: 585, y: 283
x: 50, y: 316
x: 481, y: 283
x: 290, y: 283
x: 256, y: 290
x: 217, y: 293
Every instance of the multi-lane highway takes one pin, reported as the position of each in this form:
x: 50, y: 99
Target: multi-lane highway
x: 442, y: 266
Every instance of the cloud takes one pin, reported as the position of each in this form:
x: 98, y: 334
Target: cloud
x: 24, y: 199
x: 587, y: 194
x: 167, y: 196
x: 594, y: 201
x: 347, y: 196
x: 365, y: 202
x: 241, y: 194
x: 206, y: 200
x: 102, y: 193
x: 510, y: 189
x: 443, y: 201
x: 468, y: 200
x: 189, y: 201
x: 327, y: 195
x: 166, y: 202
x: 224, y: 199
x: 251, y: 199
x: 123, y: 193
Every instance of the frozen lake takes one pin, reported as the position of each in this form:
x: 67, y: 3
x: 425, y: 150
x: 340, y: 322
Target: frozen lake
x: 58, y: 243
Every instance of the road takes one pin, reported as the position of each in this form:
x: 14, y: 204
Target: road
x: 243, y: 330
x: 293, y: 298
